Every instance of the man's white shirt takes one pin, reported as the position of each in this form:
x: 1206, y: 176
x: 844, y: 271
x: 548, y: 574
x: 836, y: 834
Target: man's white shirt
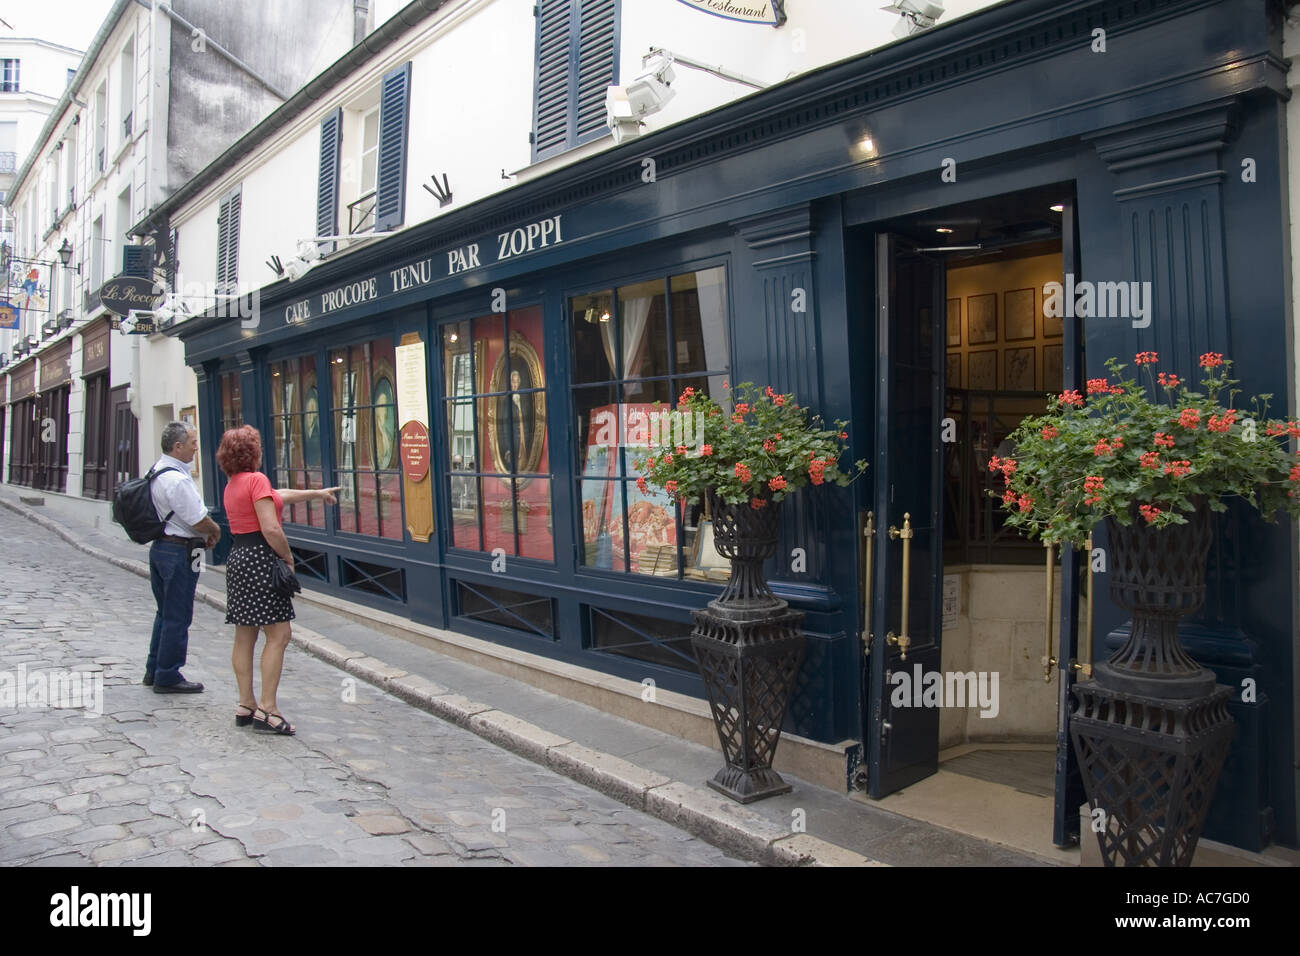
x: 176, y: 492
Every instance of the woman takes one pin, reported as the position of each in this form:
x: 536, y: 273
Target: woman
x: 254, y: 510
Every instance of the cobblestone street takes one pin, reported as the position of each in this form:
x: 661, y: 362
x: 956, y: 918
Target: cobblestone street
x: 169, y: 780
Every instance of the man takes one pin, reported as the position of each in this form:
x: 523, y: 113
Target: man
x: 173, y: 560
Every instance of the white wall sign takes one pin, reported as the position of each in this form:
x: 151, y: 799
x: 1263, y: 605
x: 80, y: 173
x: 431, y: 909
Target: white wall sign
x: 770, y: 12
x: 951, y: 600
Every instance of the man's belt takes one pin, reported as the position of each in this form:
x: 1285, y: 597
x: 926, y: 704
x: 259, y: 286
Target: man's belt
x: 177, y: 539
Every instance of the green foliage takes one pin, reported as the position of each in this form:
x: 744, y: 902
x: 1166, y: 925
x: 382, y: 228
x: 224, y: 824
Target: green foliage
x: 767, y: 448
x: 1118, y: 453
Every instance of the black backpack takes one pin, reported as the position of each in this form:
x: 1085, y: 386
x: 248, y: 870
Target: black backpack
x: 133, y: 508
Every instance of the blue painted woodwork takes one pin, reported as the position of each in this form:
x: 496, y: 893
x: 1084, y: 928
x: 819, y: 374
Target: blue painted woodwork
x: 775, y: 188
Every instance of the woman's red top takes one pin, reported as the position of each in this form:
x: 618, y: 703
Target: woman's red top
x: 244, y: 489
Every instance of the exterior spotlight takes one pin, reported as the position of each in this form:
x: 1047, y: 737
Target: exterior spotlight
x: 914, y: 15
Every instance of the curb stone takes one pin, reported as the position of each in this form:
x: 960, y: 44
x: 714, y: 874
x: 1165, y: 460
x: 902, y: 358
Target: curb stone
x: 702, y: 813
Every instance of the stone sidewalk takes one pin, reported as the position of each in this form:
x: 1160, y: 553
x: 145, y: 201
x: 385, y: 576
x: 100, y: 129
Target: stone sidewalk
x: 640, y: 766
x: 168, y: 780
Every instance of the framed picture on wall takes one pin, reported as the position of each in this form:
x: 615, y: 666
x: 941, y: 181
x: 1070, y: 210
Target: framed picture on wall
x: 952, y: 376
x: 1053, y: 327
x: 954, y: 322
x: 1018, y: 371
x: 982, y: 318
x: 1053, y: 368
x: 1018, y: 309
x: 982, y: 370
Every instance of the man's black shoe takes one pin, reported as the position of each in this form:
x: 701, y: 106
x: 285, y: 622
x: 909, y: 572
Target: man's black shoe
x: 148, y: 680
x: 182, y: 687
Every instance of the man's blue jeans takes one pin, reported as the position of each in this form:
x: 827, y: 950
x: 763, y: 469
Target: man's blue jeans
x: 174, y: 580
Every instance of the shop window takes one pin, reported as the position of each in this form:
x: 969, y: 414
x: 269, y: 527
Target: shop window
x: 52, y: 439
x: 577, y: 61
x: 497, y: 434
x: 295, y: 413
x: 96, y: 473
x: 366, y: 466
x: 633, y: 346
x: 232, y: 406
x: 24, y: 437
x: 513, y: 609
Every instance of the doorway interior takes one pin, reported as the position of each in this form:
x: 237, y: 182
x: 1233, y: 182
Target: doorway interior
x: 993, y: 761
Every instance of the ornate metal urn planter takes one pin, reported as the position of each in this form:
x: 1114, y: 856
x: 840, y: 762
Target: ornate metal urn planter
x: 1152, y: 729
x: 749, y: 647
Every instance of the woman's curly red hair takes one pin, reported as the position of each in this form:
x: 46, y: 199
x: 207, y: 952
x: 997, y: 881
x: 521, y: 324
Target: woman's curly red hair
x: 240, y: 450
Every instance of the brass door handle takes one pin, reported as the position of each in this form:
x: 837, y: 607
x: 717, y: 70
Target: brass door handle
x: 1084, y: 663
x: 903, y: 640
x: 1049, y: 660
x: 868, y: 579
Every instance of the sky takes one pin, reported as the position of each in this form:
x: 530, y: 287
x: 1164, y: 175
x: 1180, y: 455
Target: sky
x: 68, y: 22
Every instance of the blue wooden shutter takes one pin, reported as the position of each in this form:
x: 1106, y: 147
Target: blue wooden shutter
x: 390, y: 181
x: 232, y: 244
x: 223, y: 233
x: 228, y: 241
x: 577, y: 60
x: 597, y: 66
x: 137, y: 261
x: 551, y: 106
x: 327, y: 185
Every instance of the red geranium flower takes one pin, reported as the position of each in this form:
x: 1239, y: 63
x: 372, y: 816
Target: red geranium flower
x: 1211, y: 360
x: 1072, y: 397
x: 777, y: 483
x: 1190, y: 418
x: 1050, y: 432
x: 706, y: 450
x: 1146, y: 358
x: 757, y: 503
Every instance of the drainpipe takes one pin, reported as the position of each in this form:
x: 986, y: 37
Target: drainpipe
x: 167, y: 9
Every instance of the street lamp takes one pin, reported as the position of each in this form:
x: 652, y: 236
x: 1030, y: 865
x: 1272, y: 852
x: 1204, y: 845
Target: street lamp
x: 65, y: 254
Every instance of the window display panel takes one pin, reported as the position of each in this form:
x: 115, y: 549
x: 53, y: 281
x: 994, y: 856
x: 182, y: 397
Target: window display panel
x: 494, y: 381
x: 368, y: 469
x: 602, y: 524
x: 664, y: 335
x: 295, y: 451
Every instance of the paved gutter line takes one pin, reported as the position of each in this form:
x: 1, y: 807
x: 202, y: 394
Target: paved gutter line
x: 702, y: 813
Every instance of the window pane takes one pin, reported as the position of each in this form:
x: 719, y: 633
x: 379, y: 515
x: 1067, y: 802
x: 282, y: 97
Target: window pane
x: 347, y: 502
x: 644, y: 325
x: 311, y: 415
x: 390, y: 506
x: 367, y: 504
x: 602, y: 525
x: 536, y: 528
x: 652, y: 531
x: 592, y: 319
x: 597, y: 431
x: 382, y: 396
x: 700, y: 340
x: 457, y: 379
x: 460, y: 435
x: 464, y: 512
x: 498, y: 516
x: 315, y: 509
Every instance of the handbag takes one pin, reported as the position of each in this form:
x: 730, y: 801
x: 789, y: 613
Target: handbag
x: 283, y: 581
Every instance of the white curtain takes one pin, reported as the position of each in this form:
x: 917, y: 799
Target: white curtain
x: 712, y: 292
x: 635, y: 314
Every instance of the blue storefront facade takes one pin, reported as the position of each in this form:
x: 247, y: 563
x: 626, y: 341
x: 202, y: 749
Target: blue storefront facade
x: 774, y: 241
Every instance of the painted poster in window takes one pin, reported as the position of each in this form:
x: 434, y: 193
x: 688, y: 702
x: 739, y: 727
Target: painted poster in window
x: 517, y: 420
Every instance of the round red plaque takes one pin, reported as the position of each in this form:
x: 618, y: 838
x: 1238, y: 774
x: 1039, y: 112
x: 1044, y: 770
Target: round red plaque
x: 415, y: 450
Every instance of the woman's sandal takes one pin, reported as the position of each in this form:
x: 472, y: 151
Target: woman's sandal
x: 264, y: 724
x: 243, y: 720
